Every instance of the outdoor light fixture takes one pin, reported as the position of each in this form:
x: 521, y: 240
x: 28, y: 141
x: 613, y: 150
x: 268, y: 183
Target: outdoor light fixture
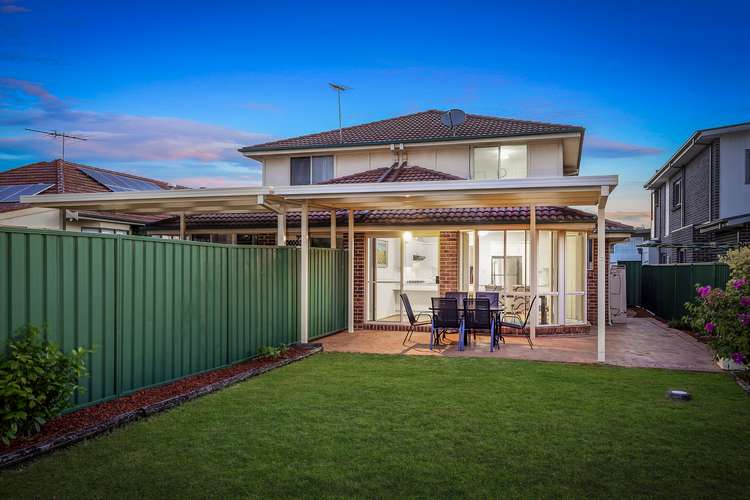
x: 678, y: 394
x: 407, y: 235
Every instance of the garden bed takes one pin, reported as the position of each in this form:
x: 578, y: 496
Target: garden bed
x: 92, y: 420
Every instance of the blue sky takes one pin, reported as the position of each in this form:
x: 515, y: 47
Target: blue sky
x: 171, y: 90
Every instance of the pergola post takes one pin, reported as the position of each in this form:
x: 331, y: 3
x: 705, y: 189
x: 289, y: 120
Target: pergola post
x: 333, y: 228
x: 304, y: 310
x: 281, y: 227
x: 350, y: 237
x: 533, y: 274
x: 182, y: 225
x: 601, y: 327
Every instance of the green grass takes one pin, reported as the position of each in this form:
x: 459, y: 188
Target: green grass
x: 345, y: 425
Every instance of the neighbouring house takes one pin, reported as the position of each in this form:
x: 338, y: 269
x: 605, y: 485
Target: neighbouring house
x: 700, y: 198
x: 632, y: 250
x: 426, y: 252
x: 57, y: 177
x: 487, y: 204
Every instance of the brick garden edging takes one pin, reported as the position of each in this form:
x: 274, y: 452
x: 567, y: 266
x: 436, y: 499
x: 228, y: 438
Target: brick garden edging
x: 15, y: 457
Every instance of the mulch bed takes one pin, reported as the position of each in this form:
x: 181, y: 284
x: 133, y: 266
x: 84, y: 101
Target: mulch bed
x: 90, y: 421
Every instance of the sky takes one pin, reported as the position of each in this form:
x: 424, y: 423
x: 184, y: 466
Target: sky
x: 170, y: 90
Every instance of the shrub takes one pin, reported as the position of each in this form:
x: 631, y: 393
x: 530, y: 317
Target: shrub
x: 269, y: 351
x: 738, y: 261
x: 725, y: 314
x: 37, y: 381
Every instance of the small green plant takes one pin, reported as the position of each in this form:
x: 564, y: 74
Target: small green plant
x: 37, y: 381
x: 269, y: 351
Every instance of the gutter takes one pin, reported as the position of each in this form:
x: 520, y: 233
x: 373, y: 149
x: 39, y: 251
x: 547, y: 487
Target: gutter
x: 574, y: 132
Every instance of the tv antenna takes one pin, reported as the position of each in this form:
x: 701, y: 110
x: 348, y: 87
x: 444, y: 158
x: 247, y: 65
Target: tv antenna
x: 339, y: 89
x: 55, y: 134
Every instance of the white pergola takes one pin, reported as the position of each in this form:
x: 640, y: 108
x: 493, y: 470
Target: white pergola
x: 531, y: 192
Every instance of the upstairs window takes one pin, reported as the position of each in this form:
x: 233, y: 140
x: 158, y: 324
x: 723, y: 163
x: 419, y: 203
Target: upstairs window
x: 677, y: 193
x: 747, y: 166
x: 311, y: 169
x: 501, y: 162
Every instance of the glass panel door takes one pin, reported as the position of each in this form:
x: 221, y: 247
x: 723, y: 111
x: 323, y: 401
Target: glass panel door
x: 385, y: 279
x: 421, y: 270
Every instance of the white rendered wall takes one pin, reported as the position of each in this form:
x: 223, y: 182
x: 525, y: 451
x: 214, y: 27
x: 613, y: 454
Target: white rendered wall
x: 734, y: 196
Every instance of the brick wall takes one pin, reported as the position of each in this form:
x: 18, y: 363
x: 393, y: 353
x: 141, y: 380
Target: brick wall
x: 696, y: 189
x: 591, y: 288
x: 448, y: 261
x: 716, y: 163
x: 675, y: 214
x: 360, y: 275
x: 449, y: 267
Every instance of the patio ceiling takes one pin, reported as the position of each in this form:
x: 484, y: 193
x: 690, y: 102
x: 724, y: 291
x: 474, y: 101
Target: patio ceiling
x: 573, y: 190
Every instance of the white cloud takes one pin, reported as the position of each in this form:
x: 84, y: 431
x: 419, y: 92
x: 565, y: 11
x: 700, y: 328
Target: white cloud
x: 186, y: 148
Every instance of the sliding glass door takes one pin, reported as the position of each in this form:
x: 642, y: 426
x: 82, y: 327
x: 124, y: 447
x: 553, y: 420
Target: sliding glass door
x: 385, y: 279
x: 421, y: 256
x: 499, y: 261
x: 405, y: 263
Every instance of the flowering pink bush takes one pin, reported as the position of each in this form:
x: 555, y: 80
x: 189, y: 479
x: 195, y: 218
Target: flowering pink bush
x: 725, y: 315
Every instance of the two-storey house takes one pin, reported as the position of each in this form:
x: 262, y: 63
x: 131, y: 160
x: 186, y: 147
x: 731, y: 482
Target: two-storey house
x: 426, y: 252
x: 700, y: 198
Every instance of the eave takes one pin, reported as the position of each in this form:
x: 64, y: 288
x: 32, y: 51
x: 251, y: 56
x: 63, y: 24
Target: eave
x: 571, y: 190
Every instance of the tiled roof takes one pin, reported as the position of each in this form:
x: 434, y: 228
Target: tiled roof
x: 393, y: 174
x: 67, y: 177
x: 405, y: 217
x: 417, y: 127
x: 613, y: 225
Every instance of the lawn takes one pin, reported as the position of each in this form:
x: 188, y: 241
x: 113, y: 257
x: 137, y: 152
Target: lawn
x: 348, y: 425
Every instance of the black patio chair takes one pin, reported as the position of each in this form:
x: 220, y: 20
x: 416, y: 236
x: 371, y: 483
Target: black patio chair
x: 494, y: 297
x: 444, y: 317
x: 414, y: 320
x: 514, y: 325
x: 460, y: 296
x: 477, y: 316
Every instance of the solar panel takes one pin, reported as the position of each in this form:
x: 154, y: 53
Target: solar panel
x: 12, y: 194
x: 119, y: 182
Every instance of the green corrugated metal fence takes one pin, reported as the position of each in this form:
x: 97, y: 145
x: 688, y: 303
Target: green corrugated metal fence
x: 633, y: 282
x: 156, y: 310
x: 67, y: 281
x: 328, y: 291
x: 666, y: 287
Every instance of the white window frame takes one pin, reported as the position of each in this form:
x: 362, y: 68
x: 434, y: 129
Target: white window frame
x: 368, y: 272
x: 561, y: 293
x: 499, y: 155
x: 333, y: 173
x: 101, y: 230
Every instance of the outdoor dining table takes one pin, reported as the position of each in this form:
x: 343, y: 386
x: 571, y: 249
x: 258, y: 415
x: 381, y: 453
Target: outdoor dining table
x: 494, y: 311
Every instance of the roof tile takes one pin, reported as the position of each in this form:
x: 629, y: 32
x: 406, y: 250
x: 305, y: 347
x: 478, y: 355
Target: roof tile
x: 424, y: 126
x: 67, y: 177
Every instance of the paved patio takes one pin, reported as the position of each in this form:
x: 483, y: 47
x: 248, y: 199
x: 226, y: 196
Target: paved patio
x: 637, y: 342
